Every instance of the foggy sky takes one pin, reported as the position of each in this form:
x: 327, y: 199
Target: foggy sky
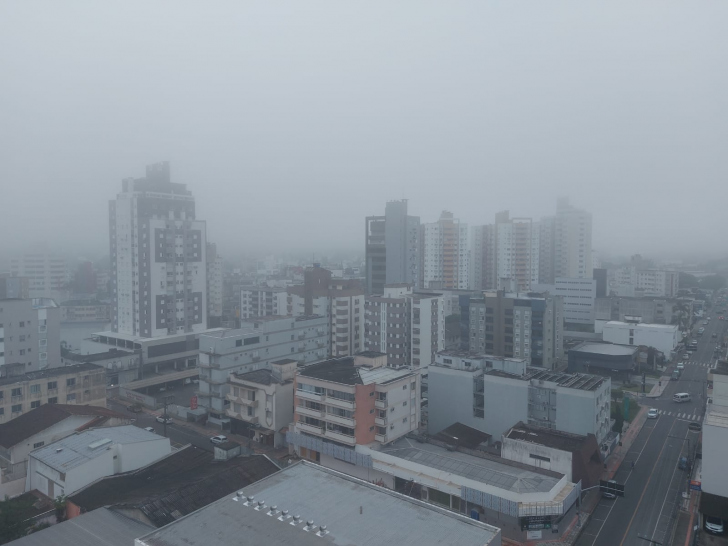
x: 292, y: 121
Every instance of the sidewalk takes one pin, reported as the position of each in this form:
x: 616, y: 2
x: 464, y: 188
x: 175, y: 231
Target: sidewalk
x: 659, y: 387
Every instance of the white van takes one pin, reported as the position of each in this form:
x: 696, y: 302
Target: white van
x: 681, y: 397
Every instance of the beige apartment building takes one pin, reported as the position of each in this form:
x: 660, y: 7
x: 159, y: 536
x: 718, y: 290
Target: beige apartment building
x: 78, y: 384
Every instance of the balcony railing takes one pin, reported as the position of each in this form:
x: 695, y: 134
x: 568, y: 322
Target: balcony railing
x: 336, y: 402
x: 303, y: 410
x: 381, y: 438
x: 343, y: 438
x: 309, y: 395
x: 381, y: 404
x: 381, y: 422
x: 310, y: 429
x: 339, y: 420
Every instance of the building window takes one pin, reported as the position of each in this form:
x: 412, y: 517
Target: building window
x: 34, y: 389
x: 70, y: 382
x: 52, y: 385
x: 17, y: 408
x: 53, y: 400
x: 35, y: 404
x: 38, y: 444
x: 539, y: 458
x: 70, y: 397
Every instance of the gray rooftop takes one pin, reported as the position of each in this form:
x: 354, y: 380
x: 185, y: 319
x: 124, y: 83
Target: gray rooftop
x: 606, y: 349
x: 501, y: 473
x: 353, y: 511
x: 102, y: 527
x: 77, y: 449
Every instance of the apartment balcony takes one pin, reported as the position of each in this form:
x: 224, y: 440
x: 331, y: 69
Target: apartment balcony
x: 301, y: 335
x: 241, y: 416
x: 238, y: 400
x: 51, y: 392
x: 381, y: 438
x: 303, y: 410
x: 381, y: 422
x: 310, y: 429
x: 381, y: 404
x: 309, y: 396
x: 346, y: 421
x: 343, y: 438
x: 337, y: 403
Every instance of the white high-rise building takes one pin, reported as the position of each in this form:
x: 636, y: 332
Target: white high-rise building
x: 214, y: 284
x: 445, y: 253
x: 572, y: 242
x: 158, y: 258
x: 47, y: 275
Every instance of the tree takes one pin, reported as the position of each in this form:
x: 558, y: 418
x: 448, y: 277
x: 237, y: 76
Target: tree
x: 688, y: 281
x: 618, y: 417
x: 13, y: 524
x: 714, y: 282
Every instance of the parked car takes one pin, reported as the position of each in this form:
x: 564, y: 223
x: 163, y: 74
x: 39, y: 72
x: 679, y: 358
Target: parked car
x: 675, y: 375
x: 135, y: 408
x: 680, y: 366
x: 714, y: 525
x: 694, y: 425
x: 652, y: 413
x: 165, y: 420
x: 608, y: 494
x: 149, y: 429
x: 683, y: 463
x: 219, y: 439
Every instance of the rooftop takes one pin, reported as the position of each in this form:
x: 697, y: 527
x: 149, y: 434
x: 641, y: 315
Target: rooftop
x: 102, y: 527
x: 546, y: 437
x: 349, y: 508
x: 490, y: 470
x: 643, y: 325
x: 75, y: 450
x: 261, y: 377
x: 581, y: 381
x: 32, y: 422
x: 342, y: 370
x: 176, y: 485
x: 50, y: 373
x: 462, y: 435
x: 94, y: 357
x: 609, y: 349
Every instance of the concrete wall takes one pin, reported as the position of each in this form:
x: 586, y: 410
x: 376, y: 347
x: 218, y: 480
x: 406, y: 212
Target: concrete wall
x: 715, y: 447
x: 139, y: 454
x: 368, y: 474
x: 506, y: 403
x: 450, y: 399
x: 664, y: 339
x: 520, y: 451
x: 20, y: 452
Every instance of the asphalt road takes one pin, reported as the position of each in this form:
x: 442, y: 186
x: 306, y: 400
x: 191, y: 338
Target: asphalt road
x: 178, y: 434
x: 654, y: 486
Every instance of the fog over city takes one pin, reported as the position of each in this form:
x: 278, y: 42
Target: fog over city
x: 290, y: 122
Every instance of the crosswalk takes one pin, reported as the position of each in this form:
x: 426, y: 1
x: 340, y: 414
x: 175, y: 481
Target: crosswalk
x: 682, y: 415
x: 701, y: 364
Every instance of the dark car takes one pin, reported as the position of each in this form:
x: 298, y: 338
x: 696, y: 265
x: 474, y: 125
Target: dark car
x: 683, y: 463
x: 608, y: 494
x: 694, y: 425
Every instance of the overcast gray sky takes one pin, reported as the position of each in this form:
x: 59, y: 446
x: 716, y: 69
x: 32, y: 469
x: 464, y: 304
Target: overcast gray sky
x: 292, y: 121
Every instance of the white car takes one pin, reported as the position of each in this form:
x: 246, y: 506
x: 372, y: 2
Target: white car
x: 652, y: 413
x: 165, y: 420
x: 220, y: 439
x: 149, y: 429
x: 714, y: 525
x: 680, y: 366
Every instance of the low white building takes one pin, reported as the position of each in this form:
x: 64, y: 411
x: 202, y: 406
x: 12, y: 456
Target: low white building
x: 468, y: 391
x: 663, y: 337
x: 65, y: 466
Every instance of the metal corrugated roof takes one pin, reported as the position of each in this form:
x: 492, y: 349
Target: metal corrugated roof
x: 74, y: 450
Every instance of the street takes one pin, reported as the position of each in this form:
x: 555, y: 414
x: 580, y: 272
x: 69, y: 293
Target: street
x: 178, y: 434
x: 653, y: 488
